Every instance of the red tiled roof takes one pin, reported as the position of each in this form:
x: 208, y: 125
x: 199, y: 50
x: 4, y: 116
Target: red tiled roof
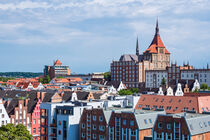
x: 175, y: 103
x: 57, y: 62
x: 156, y: 43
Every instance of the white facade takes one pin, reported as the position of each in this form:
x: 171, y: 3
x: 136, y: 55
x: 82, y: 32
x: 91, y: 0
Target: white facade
x: 179, y: 91
x: 4, y: 117
x: 153, y: 78
x: 72, y: 123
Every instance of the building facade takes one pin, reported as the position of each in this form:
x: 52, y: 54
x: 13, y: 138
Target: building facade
x: 131, y: 125
x: 56, y: 70
x: 4, y: 117
x: 185, y: 126
x: 60, y: 121
x: 130, y: 69
x: 93, y: 124
x: 176, y: 73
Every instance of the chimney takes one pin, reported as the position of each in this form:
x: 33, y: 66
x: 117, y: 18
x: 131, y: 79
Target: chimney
x: 42, y: 95
x: 38, y: 95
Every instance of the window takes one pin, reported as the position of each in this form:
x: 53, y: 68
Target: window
x: 2, y: 122
x: 94, y: 136
x: 94, y: 117
x: 34, y: 130
x: 133, y: 133
x: 160, y: 125
x: 159, y: 136
x: 101, y: 128
x: 132, y: 123
x: 0, y: 110
x: 145, y: 121
x: 101, y: 118
x: 176, y: 125
x: 124, y: 122
x: 34, y: 121
x: 94, y: 127
x: 101, y: 137
x: 191, y: 127
x: 83, y: 135
x: 2, y: 115
x: 83, y: 125
x: 168, y: 126
x: 150, y: 120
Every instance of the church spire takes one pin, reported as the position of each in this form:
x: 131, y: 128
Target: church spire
x: 157, y: 28
x: 137, y: 47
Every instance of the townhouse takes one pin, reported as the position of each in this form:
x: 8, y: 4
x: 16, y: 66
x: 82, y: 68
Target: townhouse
x: 93, y: 123
x: 131, y: 125
x: 183, y: 126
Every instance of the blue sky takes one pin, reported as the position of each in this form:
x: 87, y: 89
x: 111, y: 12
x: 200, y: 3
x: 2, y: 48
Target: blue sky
x: 88, y: 34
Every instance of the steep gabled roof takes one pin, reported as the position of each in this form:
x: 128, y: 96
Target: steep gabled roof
x: 156, y: 43
x: 57, y: 62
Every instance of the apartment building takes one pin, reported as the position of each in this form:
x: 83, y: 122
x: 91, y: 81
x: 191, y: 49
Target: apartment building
x: 60, y: 120
x: 93, y: 123
x: 58, y: 69
x: 130, y: 69
x: 131, y: 125
x: 176, y: 73
x: 184, y: 126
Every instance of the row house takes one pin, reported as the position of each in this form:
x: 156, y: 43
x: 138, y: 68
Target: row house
x: 18, y: 112
x: 183, y: 126
x: 131, y: 125
x: 4, y: 117
x: 24, y: 108
x: 93, y: 123
x: 175, y: 104
x: 30, y: 86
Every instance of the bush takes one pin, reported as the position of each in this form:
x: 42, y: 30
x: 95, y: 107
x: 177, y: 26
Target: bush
x: 204, y: 86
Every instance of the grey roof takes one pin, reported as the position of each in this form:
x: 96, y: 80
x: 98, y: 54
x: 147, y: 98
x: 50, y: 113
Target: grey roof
x: 107, y: 114
x: 198, y: 124
x: 146, y: 118
x: 129, y: 57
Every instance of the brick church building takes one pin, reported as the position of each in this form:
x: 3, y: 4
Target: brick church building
x: 130, y: 69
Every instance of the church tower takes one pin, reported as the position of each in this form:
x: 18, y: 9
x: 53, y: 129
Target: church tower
x: 157, y: 52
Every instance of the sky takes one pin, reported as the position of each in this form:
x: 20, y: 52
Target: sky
x: 88, y: 35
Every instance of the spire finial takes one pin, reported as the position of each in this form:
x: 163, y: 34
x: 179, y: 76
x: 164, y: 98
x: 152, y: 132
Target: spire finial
x: 157, y: 27
x: 207, y: 65
x: 137, y: 47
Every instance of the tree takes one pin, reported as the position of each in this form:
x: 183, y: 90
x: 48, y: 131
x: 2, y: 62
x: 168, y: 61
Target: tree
x: 204, y: 86
x: 45, y: 80
x: 11, y: 132
x: 107, y: 76
x: 134, y: 90
x: 163, y: 82
x: 125, y: 92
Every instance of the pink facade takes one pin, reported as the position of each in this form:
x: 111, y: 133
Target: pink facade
x: 35, y: 127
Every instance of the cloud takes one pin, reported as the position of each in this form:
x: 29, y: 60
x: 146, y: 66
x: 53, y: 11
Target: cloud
x: 96, y: 31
